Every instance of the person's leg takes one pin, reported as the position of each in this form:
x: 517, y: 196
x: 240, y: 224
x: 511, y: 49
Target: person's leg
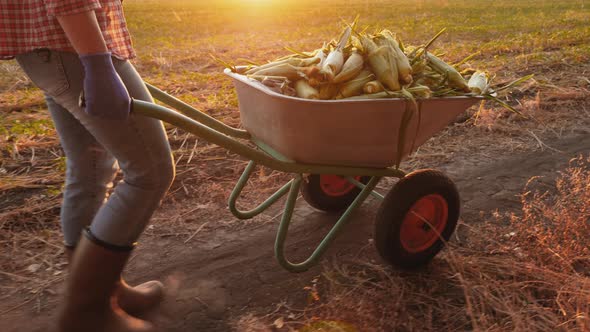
x: 144, y: 155
x: 140, y: 145
x: 90, y: 171
x: 141, y: 148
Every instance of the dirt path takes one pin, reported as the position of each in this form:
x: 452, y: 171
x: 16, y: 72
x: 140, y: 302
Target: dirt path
x: 225, y: 273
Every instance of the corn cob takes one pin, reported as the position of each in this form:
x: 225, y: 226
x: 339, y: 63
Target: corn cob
x: 335, y: 60
x: 355, y: 86
x: 381, y: 63
x: 283, y: 69
x: 394, y: 84
x: 351, y: 68
x: 478, y: 83
x: 373, y: 87
x: 338, y: 70
x: 296, y: 62
x: 402, y: 61
x: 306, y: 91
x: 333, y: 64
x: 322, y: 56
x: 328, y: 90
x: 453, y: 76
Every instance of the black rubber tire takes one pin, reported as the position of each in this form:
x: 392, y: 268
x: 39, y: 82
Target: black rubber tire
x: 314, y: 195
x: 397, y: 204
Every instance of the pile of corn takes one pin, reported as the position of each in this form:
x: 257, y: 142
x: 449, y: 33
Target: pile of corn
x: 360, y: 65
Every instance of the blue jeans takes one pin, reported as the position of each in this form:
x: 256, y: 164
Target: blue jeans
x: 95, y: 148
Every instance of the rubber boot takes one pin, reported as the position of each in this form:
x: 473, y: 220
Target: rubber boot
x: 90, y: 304
x: 133, y: 300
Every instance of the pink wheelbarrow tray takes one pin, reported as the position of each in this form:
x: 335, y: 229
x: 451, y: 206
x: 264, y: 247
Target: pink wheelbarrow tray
x: 337, y: 151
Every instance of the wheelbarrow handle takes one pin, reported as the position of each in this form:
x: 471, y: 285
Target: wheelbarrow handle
x: 195, y: 114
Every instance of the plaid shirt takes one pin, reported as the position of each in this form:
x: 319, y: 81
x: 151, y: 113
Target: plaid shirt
x: 26, y: 25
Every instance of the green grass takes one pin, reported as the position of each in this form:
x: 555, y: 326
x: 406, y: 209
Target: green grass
x: 27, y: 128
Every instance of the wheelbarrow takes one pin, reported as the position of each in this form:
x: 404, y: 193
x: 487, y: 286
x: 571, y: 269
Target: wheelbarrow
x: 337, y: 152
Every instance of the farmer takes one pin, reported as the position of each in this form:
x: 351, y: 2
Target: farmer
x: 66, y: 47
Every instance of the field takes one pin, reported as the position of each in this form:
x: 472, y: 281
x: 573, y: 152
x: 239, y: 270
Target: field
x: 520, y: 259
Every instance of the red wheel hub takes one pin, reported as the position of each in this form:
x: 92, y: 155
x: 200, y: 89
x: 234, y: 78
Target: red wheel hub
x: 424, y: 223
x: 335, y: 186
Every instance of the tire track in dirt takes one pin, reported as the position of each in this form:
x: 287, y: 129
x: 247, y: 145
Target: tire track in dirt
x: 498, y: 185
x: 223, y: 273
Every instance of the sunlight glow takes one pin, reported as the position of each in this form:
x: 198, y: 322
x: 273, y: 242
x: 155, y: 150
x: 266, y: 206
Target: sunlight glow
x: 258, y: 2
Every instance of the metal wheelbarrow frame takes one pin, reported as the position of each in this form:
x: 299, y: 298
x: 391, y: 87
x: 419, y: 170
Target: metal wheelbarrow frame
x: 401, y: 218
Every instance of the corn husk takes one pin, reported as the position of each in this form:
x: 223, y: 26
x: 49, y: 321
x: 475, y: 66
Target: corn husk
x: 403, y: 63
x: 335, y: 60
x: 328, y: 91
x: 373, y: 87
x: 282, y: 69
x: 382, y: 63
x: 478, y: 83
x: 296, y: 62
x: 355, y: 86
x: 306, y: 91
x: 351, y: 68
x: 453, y: 76
x: 364, y: 65
x: 333, y: 64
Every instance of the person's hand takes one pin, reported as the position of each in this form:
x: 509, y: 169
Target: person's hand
x: 105, y: 94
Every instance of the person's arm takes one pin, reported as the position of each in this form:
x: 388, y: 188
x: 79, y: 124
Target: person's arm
x: 105, y: 94
x: 83, y: 32
x: 78, y: 20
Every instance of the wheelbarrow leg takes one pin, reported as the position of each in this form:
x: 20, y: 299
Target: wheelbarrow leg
x: 321, y: 248
x: 260, y: 208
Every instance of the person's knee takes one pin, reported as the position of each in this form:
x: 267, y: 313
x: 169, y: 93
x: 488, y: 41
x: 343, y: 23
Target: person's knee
x: 155, y: 177
x: 90, y: 171
x: 167, y: 173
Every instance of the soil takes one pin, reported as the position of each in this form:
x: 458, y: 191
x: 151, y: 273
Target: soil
x: 227, y: 271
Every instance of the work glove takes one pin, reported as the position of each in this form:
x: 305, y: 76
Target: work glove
x: 104, y: 93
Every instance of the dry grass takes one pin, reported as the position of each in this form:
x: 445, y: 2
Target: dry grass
x: 174, y: 40
x: 31, y: 192
x: 525, y: 271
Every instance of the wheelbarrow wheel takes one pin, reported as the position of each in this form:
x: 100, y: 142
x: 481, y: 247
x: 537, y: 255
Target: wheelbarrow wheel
x: 416, y: 218
x: 330, y: 193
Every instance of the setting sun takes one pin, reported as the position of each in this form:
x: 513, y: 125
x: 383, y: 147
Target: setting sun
x: 253, y: 2
x: 258, y: 1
